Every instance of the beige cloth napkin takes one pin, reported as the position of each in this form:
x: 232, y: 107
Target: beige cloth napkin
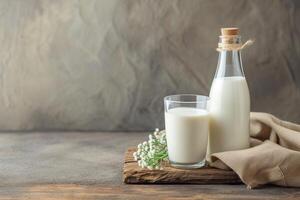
x: 274, y: 156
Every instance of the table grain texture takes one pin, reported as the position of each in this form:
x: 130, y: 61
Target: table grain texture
x: 88, y: 165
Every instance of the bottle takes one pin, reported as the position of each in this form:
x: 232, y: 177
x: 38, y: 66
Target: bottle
x: 229, y: 104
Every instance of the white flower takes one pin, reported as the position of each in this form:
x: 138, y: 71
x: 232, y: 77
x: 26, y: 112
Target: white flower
x: 150, y: 137
x: 151, y: 154
x: 157, y: 130
x: 140, y: 163
x: 151, y: 146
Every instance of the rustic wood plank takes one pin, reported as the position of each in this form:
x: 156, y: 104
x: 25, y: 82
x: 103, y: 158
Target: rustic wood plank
x: 133, y: 174
x: 145, y: 192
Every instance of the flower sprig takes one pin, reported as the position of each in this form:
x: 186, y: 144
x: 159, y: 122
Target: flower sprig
x: 152, y: 154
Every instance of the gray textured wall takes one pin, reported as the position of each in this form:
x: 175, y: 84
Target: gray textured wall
x: 106, y: 64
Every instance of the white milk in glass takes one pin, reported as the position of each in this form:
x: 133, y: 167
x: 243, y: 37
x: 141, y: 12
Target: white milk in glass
x: 186, y: 130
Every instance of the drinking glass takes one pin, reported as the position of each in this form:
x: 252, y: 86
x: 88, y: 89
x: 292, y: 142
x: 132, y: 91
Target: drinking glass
x: 187, y: 127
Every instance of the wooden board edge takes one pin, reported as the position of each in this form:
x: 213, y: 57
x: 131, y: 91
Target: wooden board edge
x: 143, y: 176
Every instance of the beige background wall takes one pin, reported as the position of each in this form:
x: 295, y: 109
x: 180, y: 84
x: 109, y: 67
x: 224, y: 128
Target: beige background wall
x: 107, y: 64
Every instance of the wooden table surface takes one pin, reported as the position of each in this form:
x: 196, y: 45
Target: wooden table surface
x: 88, y: 165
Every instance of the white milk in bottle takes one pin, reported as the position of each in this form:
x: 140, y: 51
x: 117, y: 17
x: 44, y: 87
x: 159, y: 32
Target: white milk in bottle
x: 229, y: 104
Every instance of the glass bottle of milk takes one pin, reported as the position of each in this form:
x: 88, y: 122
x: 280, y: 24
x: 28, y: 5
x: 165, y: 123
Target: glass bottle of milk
x: 229, y: 105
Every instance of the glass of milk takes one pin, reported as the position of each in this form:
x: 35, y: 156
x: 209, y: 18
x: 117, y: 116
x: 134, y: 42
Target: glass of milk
x: 187, y: 126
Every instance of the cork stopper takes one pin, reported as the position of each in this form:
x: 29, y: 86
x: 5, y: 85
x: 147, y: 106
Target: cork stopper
x: 229, y: 31
x: 230, y: 40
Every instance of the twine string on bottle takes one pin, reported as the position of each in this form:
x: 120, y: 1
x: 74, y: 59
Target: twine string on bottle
x: 235, y: 47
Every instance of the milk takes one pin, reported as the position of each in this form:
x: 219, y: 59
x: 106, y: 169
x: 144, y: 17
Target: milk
x: 186, y: 131
x: 229, y: 109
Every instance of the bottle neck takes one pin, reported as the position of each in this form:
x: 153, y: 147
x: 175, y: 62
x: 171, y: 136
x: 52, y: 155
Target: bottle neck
x: 229, y: 64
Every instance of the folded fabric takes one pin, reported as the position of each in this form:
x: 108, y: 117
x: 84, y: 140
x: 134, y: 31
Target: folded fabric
x: 274, y: 156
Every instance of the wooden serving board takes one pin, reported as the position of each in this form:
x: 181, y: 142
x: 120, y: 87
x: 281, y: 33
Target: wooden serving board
x: 133, y: 174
